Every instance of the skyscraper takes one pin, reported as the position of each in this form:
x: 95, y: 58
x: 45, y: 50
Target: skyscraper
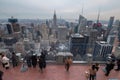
x: 9, y: 28
x: 54, y: 28
x: 82, y: 22
x: 110, y: 22
x: 62, y: 33
x: 78, y: 44
x: 15, y: 25
x: 92, y: 39
x: 101, y: 50
x: 109, y: 27
x: 111, y: 39
x: 54, y: 20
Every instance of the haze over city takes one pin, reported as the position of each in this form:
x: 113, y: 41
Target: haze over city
x: 66, y: 9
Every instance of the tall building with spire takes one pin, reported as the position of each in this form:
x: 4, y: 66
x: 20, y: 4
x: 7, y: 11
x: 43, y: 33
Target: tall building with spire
x: 54, y: 27
x: 54, y: 20
x: 98, y: 17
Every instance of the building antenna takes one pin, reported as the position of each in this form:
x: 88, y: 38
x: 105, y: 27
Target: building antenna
x: 98, y: 16
x: 82, y: 8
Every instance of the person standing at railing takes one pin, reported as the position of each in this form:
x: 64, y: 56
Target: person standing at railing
x: 28, y: 60
x: 68, y: 62
x: 109, y: 66
x: 41, y: 63
x: 34, y: 60
x: 92, y: 72
x: 43, y: 56
x: 0, y: 57
x: 5, y: 61
x: 97, y: 68
x: 118, y: 65
x: 1, y: 74
x: 14, y: 60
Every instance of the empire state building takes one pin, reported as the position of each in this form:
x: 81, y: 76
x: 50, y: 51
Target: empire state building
x: 54, y: 20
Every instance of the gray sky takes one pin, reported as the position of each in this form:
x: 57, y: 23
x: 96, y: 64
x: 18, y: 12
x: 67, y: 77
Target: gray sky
x: 66, y: 9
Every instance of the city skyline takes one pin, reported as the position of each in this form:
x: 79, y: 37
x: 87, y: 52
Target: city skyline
x: 66, y: 9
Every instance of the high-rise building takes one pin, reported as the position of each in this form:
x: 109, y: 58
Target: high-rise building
x: 12, y: 20
x: 54, y: 26
x: 15, y: 25
x: 101, y: 50
x: 62, y: 33
x: 93, y: 36
x: 44, y: 31
x: 9, y: 28
x: 117, y: 23
x: 82, y: 22
x: 109, y: 28
x: 110, y: 22
x: 89, y: 23
x: 78, y: 44
x: 111, y: 39
x: 92, y: 39
x: 54, y: 20
x: 19, y: 47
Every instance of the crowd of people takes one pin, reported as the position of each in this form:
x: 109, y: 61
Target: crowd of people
x: 33, y: 60
x: 29, y: 61
x: 92, y: 71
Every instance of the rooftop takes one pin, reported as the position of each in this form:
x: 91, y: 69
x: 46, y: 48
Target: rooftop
x: 77, y: 35
x: 55, y: 72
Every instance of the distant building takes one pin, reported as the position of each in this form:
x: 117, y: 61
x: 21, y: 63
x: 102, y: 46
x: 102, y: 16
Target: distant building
x: 12, y: 20
x: 19, y: 47
x: 62, y: 33
x: 117, y: 52
x: 101, y: 50
x: 92, y: 39
x: 93, y: 36
x: 82, y: 22
x: 78, y: 44
x: 89, y: 23
x: 111, y: 39
x: 110, y: 22
x: 44, y: 31
x: 6, y: 29
x: 9, y: 28
x: 15, y: 25
x: 54, y: 26
x: 109, y: 28
x: 54, y: 20
x: 9, y: 41
x: 117, y: 22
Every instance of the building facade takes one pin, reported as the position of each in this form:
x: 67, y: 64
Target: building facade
x: 78, y: 44
x: 101, y: 51
x: 62, y: 33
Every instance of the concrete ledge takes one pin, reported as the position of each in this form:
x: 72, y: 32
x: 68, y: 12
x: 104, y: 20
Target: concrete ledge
x: 78, y: 62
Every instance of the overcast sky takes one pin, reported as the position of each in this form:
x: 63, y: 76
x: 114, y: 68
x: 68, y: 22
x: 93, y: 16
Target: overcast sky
x: 66, y: 9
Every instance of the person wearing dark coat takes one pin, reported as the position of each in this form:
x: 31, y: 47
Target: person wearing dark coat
x: 1, y: 74
x: 41, y: 63
x: 109, y: 67
x: 14, y: 60
x: 43, y: 56
x: 34, y: 60
x: 118, y: 65
x: 28, y: 60
x: 113, y: 58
